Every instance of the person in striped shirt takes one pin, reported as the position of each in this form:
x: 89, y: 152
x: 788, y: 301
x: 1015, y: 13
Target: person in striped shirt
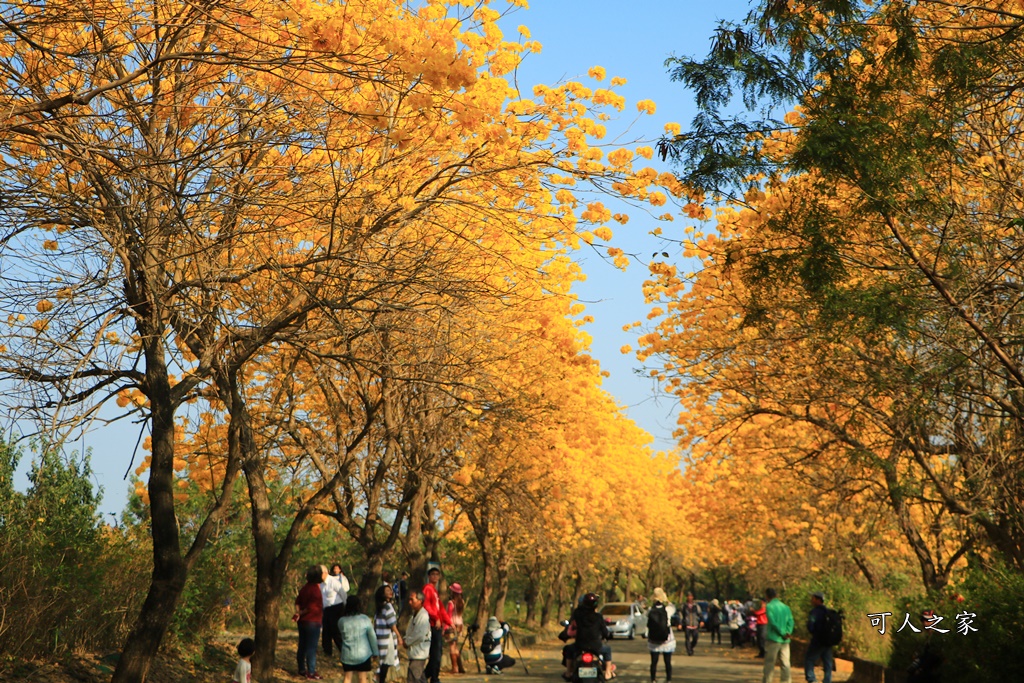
x: 385, y: 625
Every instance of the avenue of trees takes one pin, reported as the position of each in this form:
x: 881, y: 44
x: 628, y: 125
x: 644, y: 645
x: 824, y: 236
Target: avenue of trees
x: 320, y: 255
x: 848, y: 354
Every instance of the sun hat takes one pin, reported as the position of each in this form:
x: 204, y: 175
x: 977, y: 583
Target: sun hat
x: 455, y: 588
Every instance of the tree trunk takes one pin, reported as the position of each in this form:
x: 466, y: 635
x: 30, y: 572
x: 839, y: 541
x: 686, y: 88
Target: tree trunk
x: 577, y: 591
x: 486, y: 588
x: 169, y: 568
x: 372, y: 572
x: 503, y: 564
x: 413, y: 544
x: 653, y: 578
x: 269, y: 577
x: 680, y: 586
x: 931, y: 577
x: 550, y: 597
x: 612, y: 593
x: 272, y: 557
x: 864, y: 569
x: 532, y: 593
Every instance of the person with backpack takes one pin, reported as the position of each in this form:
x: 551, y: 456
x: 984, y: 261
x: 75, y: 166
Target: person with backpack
x: 588, y: 628
x: 660, y: 640
x: 490, y: 646
x: 825, y: 627
x: 715, y: 621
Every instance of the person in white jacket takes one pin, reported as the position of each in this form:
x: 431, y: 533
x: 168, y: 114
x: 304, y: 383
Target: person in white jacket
x: 334, y: 591
x: 417, y: 639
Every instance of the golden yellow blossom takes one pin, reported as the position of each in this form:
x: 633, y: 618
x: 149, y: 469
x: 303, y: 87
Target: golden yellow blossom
x: 646, y: 106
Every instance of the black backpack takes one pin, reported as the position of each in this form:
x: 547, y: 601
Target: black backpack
x: 657, y: 624
x: 832, y: 631
x: 488, y: 643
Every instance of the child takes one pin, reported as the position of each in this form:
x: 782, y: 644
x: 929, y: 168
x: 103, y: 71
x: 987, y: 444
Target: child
x: 246, y: 648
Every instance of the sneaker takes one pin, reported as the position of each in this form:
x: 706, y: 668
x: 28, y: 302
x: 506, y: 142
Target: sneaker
x: 314, y: 677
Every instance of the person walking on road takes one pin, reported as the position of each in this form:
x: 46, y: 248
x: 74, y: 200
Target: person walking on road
x: 660, y: 640
x: 715, y: 621
x: 735, y: 618
x: 692, y: 623
x: 417, y: 639
x: 818, y: 648
x: 439, y: 623
x: 777, y: 635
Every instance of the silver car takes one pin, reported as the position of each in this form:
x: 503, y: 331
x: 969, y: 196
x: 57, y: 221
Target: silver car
x: 625, y: 619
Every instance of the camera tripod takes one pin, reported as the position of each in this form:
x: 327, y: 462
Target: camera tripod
x: 470, y: 632
x: 519, y: 652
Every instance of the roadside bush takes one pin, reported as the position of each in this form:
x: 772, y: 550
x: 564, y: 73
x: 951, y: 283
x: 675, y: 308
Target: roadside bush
x: 218, y: 593
x: 993, y: 652
x: 855, y: 600
x: 67, y: 582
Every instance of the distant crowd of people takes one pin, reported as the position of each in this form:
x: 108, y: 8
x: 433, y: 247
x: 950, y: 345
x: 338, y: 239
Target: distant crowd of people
x: 767, y: 624
x: 329, y: 615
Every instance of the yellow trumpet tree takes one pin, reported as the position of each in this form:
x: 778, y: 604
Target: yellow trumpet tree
x: 191, y: 186
x: 879, y: 251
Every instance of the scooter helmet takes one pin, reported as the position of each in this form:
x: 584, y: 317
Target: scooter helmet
x: 590, y: 601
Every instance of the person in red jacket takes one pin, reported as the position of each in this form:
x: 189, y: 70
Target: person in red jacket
x: 439, y: 623
x: 309, y: 610
x: 762, y: 626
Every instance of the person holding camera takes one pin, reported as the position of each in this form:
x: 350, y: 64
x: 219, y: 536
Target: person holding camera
x: 490, y: 646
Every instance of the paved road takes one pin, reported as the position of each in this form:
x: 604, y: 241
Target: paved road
x: 710, y: 664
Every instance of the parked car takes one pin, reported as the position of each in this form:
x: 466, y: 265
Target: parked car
x: 625, y: 619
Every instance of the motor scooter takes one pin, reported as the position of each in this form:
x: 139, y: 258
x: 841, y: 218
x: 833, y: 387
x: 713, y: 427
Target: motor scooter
x: 589, y: 668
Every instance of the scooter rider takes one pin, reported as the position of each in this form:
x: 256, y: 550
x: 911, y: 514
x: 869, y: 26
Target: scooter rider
x: 590, y: 633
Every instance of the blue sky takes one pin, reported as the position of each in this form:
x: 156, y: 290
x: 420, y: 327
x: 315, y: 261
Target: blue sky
x: 631, y: 40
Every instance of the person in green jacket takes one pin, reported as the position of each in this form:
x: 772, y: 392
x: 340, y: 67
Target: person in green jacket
x: 780, y: 628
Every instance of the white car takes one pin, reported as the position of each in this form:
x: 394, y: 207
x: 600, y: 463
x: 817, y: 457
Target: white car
x: 625, y: 619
